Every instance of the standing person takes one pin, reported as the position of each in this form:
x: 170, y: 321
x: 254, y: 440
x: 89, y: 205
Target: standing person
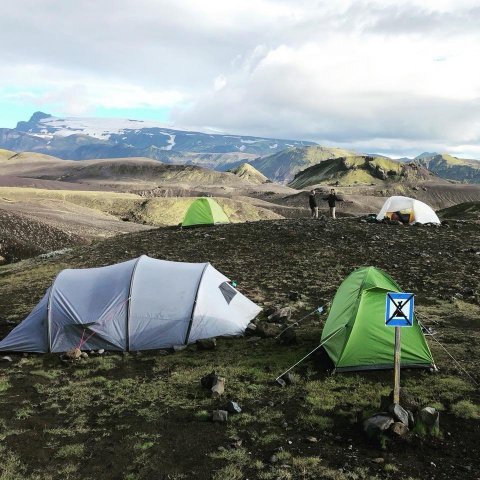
x: 312, y: 201
x: 332, y: 199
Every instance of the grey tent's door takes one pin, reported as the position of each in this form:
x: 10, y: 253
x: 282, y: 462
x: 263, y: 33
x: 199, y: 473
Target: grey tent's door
x: 91, y: 304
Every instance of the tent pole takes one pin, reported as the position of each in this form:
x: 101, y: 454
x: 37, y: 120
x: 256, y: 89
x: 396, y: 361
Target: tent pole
x: 129, y: 307
x: 190, y: 323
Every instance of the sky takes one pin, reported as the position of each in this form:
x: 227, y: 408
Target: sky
x: 391, y: 77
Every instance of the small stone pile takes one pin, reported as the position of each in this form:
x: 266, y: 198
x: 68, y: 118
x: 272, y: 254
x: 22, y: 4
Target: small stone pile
x: 216, y: 385
x: 396, y: 421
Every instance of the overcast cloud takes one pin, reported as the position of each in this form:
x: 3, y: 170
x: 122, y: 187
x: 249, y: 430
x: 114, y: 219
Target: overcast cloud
x: 394, y: 77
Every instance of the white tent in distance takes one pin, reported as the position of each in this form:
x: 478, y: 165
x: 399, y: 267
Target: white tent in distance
x: 408, y: 210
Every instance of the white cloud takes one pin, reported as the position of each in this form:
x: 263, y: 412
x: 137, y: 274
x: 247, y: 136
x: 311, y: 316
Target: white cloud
x: 400, y: 74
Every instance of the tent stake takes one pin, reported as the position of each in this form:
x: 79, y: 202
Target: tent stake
x: 308, y: 354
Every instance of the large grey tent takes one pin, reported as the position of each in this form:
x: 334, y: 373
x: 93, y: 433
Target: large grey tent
x: 140, y: 304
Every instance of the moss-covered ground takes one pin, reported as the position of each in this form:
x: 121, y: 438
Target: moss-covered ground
x: 146, y: 416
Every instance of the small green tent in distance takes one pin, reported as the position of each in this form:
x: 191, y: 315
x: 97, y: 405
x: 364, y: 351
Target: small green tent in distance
x: 355, y: 334
x: 204, y: 211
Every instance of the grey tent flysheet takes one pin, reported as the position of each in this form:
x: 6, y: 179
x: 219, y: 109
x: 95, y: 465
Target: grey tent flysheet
x: 140, y: 304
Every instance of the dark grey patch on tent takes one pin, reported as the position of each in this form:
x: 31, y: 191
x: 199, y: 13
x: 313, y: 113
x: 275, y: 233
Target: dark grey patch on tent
x: 228, y: 292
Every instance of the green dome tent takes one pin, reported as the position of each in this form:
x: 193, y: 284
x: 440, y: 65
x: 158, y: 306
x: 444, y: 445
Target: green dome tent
x: 355, y: 334
x: 204, y: 211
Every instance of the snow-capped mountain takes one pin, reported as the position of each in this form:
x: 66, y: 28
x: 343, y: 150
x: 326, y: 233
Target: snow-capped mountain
x: 89, y: 138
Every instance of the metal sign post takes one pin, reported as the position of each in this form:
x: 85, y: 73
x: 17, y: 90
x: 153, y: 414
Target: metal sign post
x: 398, y: 314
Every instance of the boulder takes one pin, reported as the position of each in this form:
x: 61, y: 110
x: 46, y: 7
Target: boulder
x: 293, y: 296
x: 430, y: 418
x: 280, y: 315
x: 268, y: 330
x: 376, y: 425
x: 6, y: 359
x: 411, y: 420
x: 208, y: 381
x: 399, y: 413
x: 101, y: 351
x: 233, y: 407
x: 207, y: 344
x: 281, y: 382
x: 220, y: 416
x: 288, y: 337
x: 289, y: 378
x: 73, y: 354
x: 219, y: 387
x: 250, y: 329
x: 84, y: 355
x: 399, y: 429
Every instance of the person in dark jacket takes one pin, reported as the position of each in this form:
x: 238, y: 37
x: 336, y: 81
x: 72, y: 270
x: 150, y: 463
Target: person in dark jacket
x: 332, y: 199
x: 312, y: 201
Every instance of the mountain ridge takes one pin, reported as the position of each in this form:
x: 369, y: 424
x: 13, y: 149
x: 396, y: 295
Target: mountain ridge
x: 76, y: 138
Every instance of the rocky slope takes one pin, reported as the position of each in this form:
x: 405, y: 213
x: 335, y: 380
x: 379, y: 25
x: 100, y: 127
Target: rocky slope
x: 24, y: 237
x: 448, y: 166
x: 359, y: 169
x: 282, y: 166
x: 249, y: 173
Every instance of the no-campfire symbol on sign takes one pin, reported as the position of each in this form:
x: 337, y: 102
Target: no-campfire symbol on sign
x: 399, y: 311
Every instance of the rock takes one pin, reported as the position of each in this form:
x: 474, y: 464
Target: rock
x: 219, y: 387
x: 280, y: 315
x: 101, y: 351
x: 267, y: 330
x: 220, y: 416
x: 273, y: 459
x: 311, y: 439
x: 430, y: 418
x: 289, y: 378
x: 207, y: 344
x: 378, y: 460
x: 179, y: 348
x: 288, y: 337
x: 293, y: 296
x: 6, y: 359
x: 84, y: 355
x: 73, y: 354
x: 376, y: 425
x: 233, y: 407
x: 399, y: 413
x: 399, y: 429
x: 208, y: 381
x: 251, y: 329
x: 281, y: 382
x: 411, y: 420
x: 235, y: 442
